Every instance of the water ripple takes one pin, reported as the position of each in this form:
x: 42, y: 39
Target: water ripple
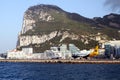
x: 42, y: 71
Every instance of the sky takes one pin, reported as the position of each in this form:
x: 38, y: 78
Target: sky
x: 12, y: 12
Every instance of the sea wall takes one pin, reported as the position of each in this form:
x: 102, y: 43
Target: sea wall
x: 66, y: 61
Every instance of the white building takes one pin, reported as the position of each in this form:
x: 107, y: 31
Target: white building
x: 113, y: 43
x: 54, y: 53
x: 66, y: 54
x: 25, y: 53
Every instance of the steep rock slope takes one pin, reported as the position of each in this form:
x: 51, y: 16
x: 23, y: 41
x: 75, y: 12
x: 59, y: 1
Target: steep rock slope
x: 49, y: 25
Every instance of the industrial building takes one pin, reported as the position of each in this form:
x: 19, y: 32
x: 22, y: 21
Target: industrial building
x: 112, y: 49
x: 54, y: 53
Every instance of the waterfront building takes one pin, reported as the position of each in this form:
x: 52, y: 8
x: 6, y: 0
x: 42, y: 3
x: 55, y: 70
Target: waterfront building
x: 25, y: 53
x: 15, y: 54
x: 56, y: 51
x: 73, y: 49
x: 117, y: 51
x: 107, y: 50
x: 62, y: 52
x: 112, y: 49
x: 1, y: 57
x: 66, y: 54
x: 27, y: 50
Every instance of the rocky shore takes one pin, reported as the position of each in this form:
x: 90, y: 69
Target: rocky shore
x: 66, y: 61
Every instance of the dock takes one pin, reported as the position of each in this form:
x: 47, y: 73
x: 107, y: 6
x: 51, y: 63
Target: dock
x: 64, y: 61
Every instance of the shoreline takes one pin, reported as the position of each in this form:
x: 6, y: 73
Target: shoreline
x: 63, y: 61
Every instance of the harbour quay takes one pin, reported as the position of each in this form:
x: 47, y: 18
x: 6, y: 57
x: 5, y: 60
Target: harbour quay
x: 64, y: 61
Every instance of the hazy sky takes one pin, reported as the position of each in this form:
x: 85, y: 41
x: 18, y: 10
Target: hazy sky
x: 12, y: 11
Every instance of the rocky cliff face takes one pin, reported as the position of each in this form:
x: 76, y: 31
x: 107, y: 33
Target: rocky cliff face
x: 33, y: 15
x: 48, y: 25
x: 111, y: 20
x: 38, y: 39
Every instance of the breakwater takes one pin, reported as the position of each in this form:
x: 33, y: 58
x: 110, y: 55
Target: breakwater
x: 64, y: 61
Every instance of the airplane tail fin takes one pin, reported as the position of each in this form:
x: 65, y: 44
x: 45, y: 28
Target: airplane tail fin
x: 94, y: 53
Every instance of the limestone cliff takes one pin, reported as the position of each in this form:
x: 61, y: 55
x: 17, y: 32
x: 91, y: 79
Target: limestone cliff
x: 48, y: 25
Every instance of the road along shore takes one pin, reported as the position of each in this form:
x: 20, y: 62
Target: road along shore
x: 64, y: 61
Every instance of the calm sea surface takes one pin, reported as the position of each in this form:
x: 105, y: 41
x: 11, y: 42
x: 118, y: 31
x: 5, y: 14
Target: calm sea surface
x: 43, y: 71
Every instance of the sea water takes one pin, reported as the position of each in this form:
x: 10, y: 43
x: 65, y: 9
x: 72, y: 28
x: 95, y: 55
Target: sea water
x: 48, y: 71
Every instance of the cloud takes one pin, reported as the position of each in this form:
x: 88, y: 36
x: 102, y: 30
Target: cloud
x: 113, y: 4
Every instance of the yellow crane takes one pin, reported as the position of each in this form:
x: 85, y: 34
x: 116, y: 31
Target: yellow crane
x: 95, y: 52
